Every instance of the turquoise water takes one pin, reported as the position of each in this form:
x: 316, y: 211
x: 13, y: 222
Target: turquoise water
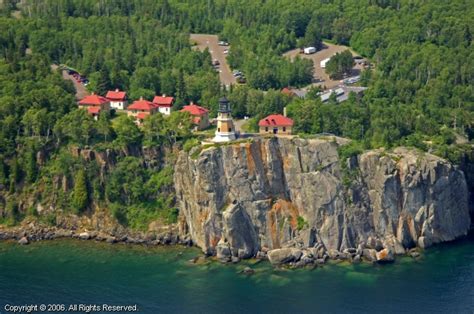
x: 161, y: 280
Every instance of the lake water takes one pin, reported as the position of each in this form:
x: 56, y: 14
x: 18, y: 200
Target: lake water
x: 161, y: 280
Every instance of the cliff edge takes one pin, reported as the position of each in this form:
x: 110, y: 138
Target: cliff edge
x: 271, y: 193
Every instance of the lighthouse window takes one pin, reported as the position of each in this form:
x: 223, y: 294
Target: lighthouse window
x: 218, y: 129
x: 284, y: 129
x: 266, y: 129
x: 230, y: 129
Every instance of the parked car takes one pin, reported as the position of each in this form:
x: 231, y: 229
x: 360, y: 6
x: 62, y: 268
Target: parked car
x: 223, y: 43
x: 236, y: 73
x: 241, y: 80
x: 226, y: 51
x: 215, y: 62
x: 309, y: 50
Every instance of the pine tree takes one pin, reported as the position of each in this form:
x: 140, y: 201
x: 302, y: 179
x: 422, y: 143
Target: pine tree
x: 103, y: 82
x: 31, y: 167
x: 180, y: 92
x: 80, y: 196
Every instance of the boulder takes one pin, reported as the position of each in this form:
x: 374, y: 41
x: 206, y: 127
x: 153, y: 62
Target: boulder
x: 385, y: 256
x: 248, y: 271
x: 23, y: 241
x: 110, y: 239
x: 283, y: 256
x: 424, y: 242
x: 370, y: 255
x: 223, y: 252
x: 394, y: 245
x: 414, y: 254
x: 84, y: 236
x: 235, y: 259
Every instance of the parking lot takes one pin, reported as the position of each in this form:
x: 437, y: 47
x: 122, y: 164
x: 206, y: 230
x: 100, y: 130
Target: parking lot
x: 81, y: 90
x: 320, y: 76
x: 211, y: 42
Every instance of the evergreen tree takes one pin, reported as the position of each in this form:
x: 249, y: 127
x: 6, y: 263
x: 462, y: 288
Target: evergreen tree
x: 31, y: 168
x: 80, y: 194
x: 180, y: 92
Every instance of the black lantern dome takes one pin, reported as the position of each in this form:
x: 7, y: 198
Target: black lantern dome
x: 224, y: 105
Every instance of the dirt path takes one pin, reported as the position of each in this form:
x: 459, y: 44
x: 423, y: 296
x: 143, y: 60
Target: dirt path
x: 81, y: 90
x: 320, y: 76
x: 204, y: 41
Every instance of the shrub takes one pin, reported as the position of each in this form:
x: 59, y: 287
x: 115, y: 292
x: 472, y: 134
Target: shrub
x: 301, y: 223
x: 189, y: 144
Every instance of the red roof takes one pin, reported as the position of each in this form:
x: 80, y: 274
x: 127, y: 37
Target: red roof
x: 142, y: 115
x: 287, y: 91
x: 276, y: 120
x: 116, y: 95
x: 93, y: 100
x: 195, y: 110
x: 163, y: 101
x: 142, y: 105
x: 93, y: 110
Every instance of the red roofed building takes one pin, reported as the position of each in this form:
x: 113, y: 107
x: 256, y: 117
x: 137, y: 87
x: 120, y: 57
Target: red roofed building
x: 94, y: 104
x: 275, y: 124
x: 94, y: 111
x: 118, y: 99
x: 200, y: 115
x: 164, y: 104
x: 288, y: 92
x: 141, y: 116
x: 141, y: 108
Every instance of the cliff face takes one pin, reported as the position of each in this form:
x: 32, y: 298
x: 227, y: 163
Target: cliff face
x: 273, y: 193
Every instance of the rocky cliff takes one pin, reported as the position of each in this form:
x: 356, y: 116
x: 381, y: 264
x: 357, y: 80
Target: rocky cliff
x: 243, y: 198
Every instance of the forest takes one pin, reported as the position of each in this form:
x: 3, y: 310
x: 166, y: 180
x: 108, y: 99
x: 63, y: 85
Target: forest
x: 421, y: 91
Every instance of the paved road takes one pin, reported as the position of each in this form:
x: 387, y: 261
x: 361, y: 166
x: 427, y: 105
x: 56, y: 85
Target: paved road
x: 204, y: 41
x: 320, y: 76
x: 81, y: 90
x: 238, y: 123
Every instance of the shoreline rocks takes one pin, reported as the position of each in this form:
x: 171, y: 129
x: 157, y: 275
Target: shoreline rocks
x: 32, y: 232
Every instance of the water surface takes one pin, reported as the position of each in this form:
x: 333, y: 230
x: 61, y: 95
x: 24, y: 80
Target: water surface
x: 162, y: 280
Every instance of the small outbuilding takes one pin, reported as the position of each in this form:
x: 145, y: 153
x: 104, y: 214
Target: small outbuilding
x: 276, y: 124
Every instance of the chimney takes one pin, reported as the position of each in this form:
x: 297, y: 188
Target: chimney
x: 141, y: 97
x: 116, y: 90
x: 164, y: 95
x: 192, y: 102
x: 284, y: 111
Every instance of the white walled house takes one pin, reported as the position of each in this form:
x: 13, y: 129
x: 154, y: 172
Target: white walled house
x: 118, y: 99
x: 164, y: 103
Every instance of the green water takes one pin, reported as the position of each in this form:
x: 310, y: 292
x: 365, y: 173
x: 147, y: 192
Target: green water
x: 161, y: 280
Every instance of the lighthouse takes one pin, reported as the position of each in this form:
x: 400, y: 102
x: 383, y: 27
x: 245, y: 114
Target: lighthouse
x: 225, y: 126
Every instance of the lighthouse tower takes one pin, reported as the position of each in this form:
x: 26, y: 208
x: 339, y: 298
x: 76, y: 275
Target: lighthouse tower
x: 225, y: 126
